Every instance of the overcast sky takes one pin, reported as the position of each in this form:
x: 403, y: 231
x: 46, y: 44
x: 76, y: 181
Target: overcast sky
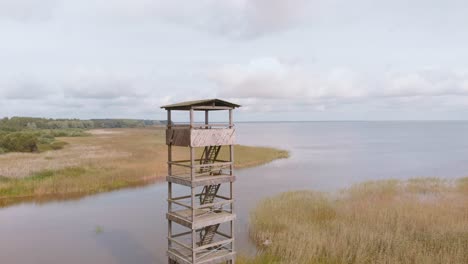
x: 280, y: 59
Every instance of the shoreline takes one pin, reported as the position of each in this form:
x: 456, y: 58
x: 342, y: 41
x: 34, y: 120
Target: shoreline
x: 109, y: 160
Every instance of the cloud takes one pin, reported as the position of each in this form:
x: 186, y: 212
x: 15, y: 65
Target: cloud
x: 237, y: 18
x: 272, y: 79
x: 245, y: 18
x: 426, y: 82
x: 84, y: 93
x: 231, y: 18
x: 133, y: 55
x: 101, y: 85
x: 23, y: 87
x: 27, y: 10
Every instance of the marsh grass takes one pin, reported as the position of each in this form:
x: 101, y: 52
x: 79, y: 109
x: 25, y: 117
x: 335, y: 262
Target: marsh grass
x: 98, y: 230
x: 56, y: 145
x: 462, y: 185
x: 414, y: 221
x: 106, y: 160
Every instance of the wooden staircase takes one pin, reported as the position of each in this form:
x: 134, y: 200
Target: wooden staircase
x: 208, y: 194
x: 207, y: 234
x: 209, y: 156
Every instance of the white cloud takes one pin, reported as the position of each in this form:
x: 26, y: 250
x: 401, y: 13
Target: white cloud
x: 88, y: 93
x: 27, y: 10
x: 271, y: 79
x: 101, y: 85
x: 137, y: 54
x: 239, y: 18
x: 23, y: 87
x: 232, y: 18
x: 427, y: 82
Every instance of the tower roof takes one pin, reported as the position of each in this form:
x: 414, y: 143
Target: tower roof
x: 206, y: 104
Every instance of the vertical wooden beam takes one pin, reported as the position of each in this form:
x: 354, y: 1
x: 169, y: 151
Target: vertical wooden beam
x: 192, y: 174
x: 192, y: 163
x: 169, y: 119
x: 169, y: 184
x: 194, y: 231
x: 169, y: 164
x: 191, y: 118
x: 231, y: 185
x: 206, y: 127
x: 194, y: 245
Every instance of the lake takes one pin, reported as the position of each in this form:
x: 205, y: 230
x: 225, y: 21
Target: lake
x: 129, y: 226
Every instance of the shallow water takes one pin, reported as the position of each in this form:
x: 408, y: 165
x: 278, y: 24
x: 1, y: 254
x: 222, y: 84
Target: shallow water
x: 129, y: 226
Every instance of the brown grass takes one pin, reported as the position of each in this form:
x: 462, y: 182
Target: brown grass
x: 107, y: 160
x: 415, y: 221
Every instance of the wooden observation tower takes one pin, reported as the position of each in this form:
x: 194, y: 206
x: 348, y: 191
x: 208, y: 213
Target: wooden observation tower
x: 200, y: 186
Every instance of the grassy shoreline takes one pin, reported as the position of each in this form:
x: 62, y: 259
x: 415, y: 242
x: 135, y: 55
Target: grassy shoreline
x: 109, y: 159
x: 415, y: 221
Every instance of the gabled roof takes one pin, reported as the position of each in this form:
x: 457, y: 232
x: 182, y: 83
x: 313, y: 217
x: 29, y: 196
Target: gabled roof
x: 207, y: 104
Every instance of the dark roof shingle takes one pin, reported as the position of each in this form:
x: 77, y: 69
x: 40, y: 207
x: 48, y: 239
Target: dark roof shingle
x: 200, y: 103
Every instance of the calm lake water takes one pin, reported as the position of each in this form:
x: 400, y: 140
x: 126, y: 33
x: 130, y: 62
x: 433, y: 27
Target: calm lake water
x: 129, y: 226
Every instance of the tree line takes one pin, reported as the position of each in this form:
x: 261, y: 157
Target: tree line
x: 31, y: 134
x: 32, y: 123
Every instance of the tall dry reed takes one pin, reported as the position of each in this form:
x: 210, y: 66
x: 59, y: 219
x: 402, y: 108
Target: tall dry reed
x: 415, y: 221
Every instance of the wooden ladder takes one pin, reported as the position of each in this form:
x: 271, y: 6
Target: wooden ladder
x: 207, y: 235
x: 209, y: 192
x: 209, y: 156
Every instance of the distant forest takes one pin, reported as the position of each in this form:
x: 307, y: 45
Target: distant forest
x: 32, y: 123
x: 31, y: 134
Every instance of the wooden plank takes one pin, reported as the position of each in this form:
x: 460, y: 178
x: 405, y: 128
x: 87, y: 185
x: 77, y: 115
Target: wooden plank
x: 178, y: 137
x: 222, y: 234
x: 212, y: 137
x: 226, y: 241
x: 217, y: 258
x: 200, y: 125
x: 202, y: 218
x: 207, y: 108
x: 179, y: 161
x: 178, y: 203
x: 183, y: 256
x: 217, y: 164
x: 200, y: 137
x: 186, y: 161
x: 182, y: 234
x: 201, y: 180
x: 224, y: 197
x: 221, y: 203
x: 179, y: 164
